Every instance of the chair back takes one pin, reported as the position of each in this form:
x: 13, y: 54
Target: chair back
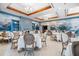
x: 4, y: 34
x: 69, y: 34
x: 49, y: 33
x: 44, y: 36
x: 29, y: 39
x: 16, y: 35
x: 75, y: 48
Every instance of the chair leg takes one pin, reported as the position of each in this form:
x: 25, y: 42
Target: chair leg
x: 11, y: 45
x: 25, y: 53
x: 45, y: 43
x: 33, y: 53
x: 62, y: 53
x: 30, y: 53
x: 25, y: 50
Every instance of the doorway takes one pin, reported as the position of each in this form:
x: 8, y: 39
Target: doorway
x: 44, y: 28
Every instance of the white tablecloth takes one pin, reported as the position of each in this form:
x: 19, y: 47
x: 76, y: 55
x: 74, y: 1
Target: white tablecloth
x: 38, y: 40
x: 74, y: 39
x: 64, y: 36
x: 68, y: 51
x: 21, y: 43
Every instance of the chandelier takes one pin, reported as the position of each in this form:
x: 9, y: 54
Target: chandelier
x: 28, y: 9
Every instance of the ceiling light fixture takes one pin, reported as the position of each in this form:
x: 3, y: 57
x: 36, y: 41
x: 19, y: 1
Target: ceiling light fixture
x: 28, y: 8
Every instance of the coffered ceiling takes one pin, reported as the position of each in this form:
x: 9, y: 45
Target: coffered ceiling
x: 41, y: 11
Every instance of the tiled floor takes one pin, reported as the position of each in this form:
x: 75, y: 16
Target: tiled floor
x: 52, y: 49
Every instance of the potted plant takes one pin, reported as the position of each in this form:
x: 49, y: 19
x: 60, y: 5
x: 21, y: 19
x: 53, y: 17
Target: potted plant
x: 52, y: 28
x: 62, y: 27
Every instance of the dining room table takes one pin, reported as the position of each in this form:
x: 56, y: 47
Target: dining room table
x: 21, y: 43
x: 68, y: 51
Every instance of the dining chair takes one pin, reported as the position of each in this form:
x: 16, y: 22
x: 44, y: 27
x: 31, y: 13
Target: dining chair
x: 75, y: 48
x: 29, y: 45
x: 15, y: 40
x: 64, y: 45
x: 44, y: 39
x: 1, y: 39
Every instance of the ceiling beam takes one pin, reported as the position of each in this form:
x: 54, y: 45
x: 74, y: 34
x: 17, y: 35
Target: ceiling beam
x: 16, y: 10
x: 71, y: 14
x: 40, y: 10
x: 53, y: 17
x: 48, y: 18
x: 37, y: 11
x: 39, y: 18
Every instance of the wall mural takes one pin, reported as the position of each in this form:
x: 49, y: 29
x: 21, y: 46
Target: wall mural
x: 10, y: 26
x: 70, y: 25
x: 5, y: 26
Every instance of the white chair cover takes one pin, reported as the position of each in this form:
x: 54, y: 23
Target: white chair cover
x: 64, y: 37
x: 58, y: 35
x: 12, y: 35
x: 68, y: 51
